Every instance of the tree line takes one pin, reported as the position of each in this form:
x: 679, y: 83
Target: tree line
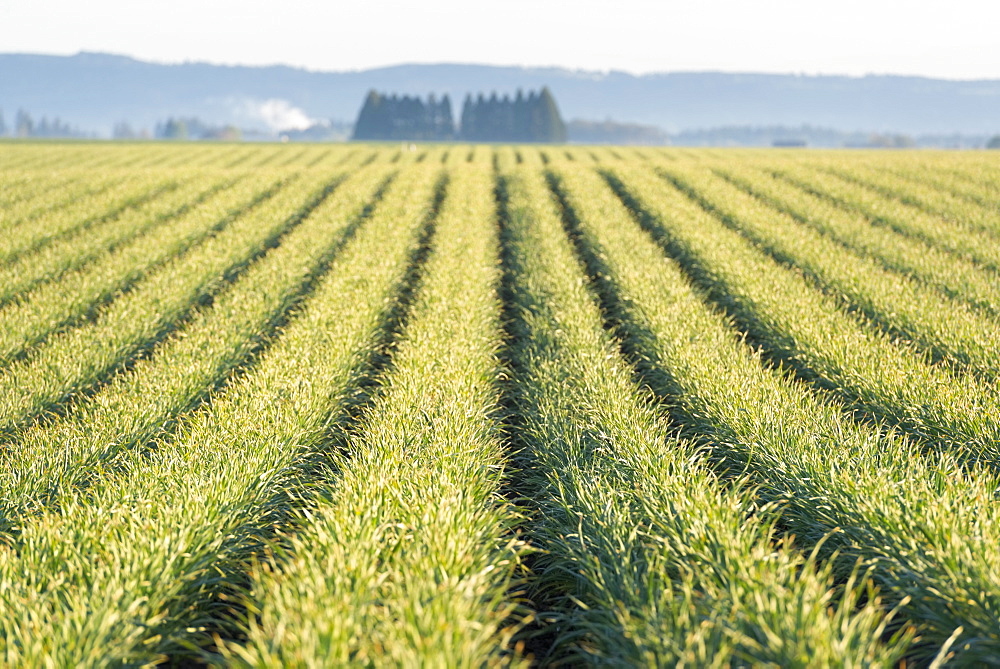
x: 404, y: 117
x: 26, y: 126
x: 523, y: 118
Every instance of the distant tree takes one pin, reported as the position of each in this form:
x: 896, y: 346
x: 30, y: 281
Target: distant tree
x: 994, y: 142
x: 468, y: 127
x: 883, y: 141
x: 123, y: 130
x: 3, y: 125
x: 228, y: 133
x: 24, y: 126
x: 406, y: 118
x: 531, y: 118
x: 444, y: 121
x: 612, y: 132
x: 173, y: 128
x: 550, y: 126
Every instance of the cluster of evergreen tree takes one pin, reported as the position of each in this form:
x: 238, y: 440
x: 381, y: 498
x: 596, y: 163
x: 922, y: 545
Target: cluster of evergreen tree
x: 531, y: 118
x: 394, y: 117
x: 191, y: 128
x: 534, y: 118
x: 26, y: 126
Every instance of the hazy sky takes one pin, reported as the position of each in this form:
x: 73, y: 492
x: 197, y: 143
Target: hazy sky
x: 954, y: 39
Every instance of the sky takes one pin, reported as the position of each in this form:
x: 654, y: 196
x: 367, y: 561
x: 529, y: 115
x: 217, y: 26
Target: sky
x: 955, y: 39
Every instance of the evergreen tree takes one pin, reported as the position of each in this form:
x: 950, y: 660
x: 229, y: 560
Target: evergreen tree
x: 445, y: 123
x: 494, y: 116
x: 468, y: 122
x: 23, y: 125
x: 367, y: 125
x: 3, y: 125
x: 534, y: 118
x: 522, y: 118
x: 550, y: 126
x: 505, y: 119
x: 404, y: 118
x: 483, y: 119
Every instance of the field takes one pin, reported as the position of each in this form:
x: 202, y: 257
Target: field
x: 307, y: 405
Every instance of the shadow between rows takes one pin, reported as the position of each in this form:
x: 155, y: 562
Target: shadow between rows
x: 309, y: 479
x: 226, y: 373
x: 884, y: 262
x: 868, y: 316
x: 777, y: 349
x: 143, y: 349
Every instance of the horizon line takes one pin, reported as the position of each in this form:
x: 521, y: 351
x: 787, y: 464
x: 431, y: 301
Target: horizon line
x: 565, y: 68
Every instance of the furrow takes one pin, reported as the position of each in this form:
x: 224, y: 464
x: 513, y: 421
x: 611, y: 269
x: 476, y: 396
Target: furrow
x: 800, y: 328
x: 413, y: 529
x: 76, y: 451
x: 924, y: 526
x: 647, y: 558
x: 134, y: 323
x: 188, y: 523
x: 81, y: 295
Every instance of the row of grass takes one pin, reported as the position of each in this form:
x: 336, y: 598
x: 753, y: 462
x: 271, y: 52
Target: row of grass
x: 75, y: 251
x: 301, y: 464
x: 50, y: 307
x: 148, y: 563
x: 900, y: 305
x: 409, y: 559
x: 810, y: 332
x: 959, y: 212
x: 649, y: 559
x: 128, y: 191
x: 955, y: 277
x: 38, y: 159
x: 923, y: 522
x: 72, y: 451
x: 28, y: 196
x: 974, y: 188
x: 975, y: 245
x: 74, y: 361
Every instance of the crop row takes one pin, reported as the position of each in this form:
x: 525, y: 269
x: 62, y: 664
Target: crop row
x: 179, y: 514
x: 467, y: 406
x: 650, y: 559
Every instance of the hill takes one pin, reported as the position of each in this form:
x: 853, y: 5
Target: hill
x: 95, y: 90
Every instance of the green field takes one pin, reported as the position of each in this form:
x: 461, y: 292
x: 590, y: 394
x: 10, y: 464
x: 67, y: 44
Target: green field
x: 418, y: 405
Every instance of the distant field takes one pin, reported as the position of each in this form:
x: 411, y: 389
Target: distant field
x: 317, y: 405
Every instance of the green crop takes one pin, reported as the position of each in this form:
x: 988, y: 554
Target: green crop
x: 450, y: 405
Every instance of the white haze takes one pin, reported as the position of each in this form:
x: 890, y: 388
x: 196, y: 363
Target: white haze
x: 954, y: 39
x: 277, y: 114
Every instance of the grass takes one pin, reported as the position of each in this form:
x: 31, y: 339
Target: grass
x: 454, y: 405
